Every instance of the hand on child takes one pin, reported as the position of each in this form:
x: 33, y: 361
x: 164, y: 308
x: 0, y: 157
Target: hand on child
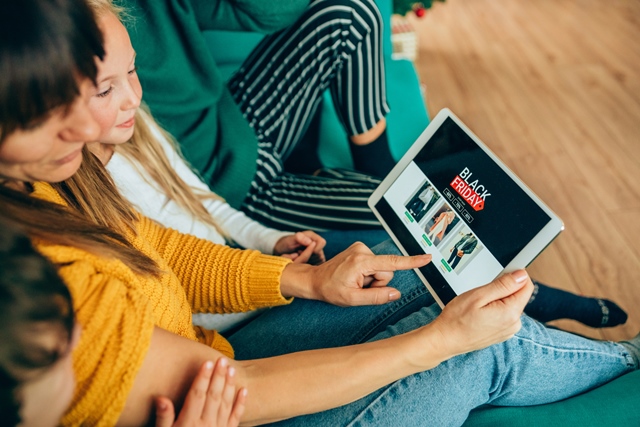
x: 484, y: 316
x: 212, y: 400
x: 301, y: 247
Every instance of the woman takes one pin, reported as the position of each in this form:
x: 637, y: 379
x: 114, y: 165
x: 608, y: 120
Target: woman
x: 149, y: 171
x: 39, y: 334
x: 437, y: 230
x: 239, y: 134
x: 134, y: 285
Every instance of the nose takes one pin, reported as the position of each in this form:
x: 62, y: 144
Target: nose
x: 132, y: 97
x: 80, y: 125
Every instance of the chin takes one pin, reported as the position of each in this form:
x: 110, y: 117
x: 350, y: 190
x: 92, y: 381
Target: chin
x: 64, y: 172
x: 127, y: 135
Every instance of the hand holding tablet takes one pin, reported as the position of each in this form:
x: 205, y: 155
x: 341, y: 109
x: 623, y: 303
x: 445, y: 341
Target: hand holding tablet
x: 451, y: 197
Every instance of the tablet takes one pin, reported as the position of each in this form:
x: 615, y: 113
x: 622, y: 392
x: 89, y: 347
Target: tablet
x: 451, y: 197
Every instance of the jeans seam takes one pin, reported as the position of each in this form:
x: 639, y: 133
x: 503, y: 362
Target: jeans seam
x: 402, y: 302
x: 622, y: 355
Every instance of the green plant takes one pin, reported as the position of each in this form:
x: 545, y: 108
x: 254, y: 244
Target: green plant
x: 402, y: 7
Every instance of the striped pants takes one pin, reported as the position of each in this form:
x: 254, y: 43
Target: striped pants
x: 335, y: 45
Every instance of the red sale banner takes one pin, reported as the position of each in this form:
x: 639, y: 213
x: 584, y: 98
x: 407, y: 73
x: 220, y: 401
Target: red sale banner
x: 467, y: 193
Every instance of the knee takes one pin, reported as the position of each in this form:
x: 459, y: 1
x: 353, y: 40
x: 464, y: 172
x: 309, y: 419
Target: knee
x: 361, y: 12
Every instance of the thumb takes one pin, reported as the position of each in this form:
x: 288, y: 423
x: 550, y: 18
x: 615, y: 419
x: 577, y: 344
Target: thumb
x: 504, y: 286
x: 303, y: 239
x: 374, y: 296
x: 165, y: 415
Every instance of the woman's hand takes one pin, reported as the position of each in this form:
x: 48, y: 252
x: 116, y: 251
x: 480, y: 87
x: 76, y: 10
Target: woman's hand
x: 353, y: 277
x: 301, y: 247
x: 484, y: 316
x: 212, y: 400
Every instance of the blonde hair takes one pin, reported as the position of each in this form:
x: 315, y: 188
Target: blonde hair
x: 105, y: 6
x: 96, y: 219
x: 146, y: 149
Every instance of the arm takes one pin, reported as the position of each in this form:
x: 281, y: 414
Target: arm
x: 212, y: 400
x: 248, y: 15
x: 243, y: 230
x: 216, y: 278
x: 312, y: 381
x: 471, y: 247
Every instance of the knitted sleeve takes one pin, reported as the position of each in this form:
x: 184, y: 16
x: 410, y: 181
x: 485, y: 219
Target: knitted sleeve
x: 117, y: 325
x: 216, y: 278
x: 247, y: 15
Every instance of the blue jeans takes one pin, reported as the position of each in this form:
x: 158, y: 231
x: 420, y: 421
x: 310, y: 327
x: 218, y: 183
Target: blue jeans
x: 538, y: 365
x: 339, y: 240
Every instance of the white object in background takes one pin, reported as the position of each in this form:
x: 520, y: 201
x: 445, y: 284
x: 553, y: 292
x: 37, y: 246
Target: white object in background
x: 403, y: 39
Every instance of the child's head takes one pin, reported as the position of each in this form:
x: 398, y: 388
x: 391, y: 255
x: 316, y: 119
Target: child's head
x: 37, y: 334
x: 47, y: 77
x: 118, y: 92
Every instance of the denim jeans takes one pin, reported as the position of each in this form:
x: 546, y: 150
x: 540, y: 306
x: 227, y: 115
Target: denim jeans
x: 339, y: 240
x: 538, y: 365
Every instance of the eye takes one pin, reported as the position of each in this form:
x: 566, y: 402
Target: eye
x: 133, y: 71
x: 40, y: 121
x: 105, y: 93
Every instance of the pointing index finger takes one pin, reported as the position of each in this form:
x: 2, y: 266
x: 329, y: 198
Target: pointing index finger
x: 400, y: 262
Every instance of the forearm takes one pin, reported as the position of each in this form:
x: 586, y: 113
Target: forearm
x: 216, y: 277
x: 312, y: 381
x: 284, y: 386
x: 243, y: 230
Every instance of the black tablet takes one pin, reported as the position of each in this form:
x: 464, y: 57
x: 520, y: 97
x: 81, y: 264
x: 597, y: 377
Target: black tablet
x: 451, y: 197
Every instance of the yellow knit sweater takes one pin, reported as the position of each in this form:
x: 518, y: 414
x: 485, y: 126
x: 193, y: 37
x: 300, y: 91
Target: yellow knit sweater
x: 118, y: 309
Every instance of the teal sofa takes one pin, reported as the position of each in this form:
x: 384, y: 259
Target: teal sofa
x: 405, y: 122
x: 616, y: 403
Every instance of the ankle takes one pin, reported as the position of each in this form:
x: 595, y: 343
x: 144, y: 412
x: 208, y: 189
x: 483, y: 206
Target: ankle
x: 371, y: 135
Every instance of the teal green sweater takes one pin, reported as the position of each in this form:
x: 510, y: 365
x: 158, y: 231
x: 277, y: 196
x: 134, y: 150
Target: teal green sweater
x: 183, y: 86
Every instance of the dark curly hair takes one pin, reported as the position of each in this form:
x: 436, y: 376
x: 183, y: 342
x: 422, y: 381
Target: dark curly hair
x: 31, y: 293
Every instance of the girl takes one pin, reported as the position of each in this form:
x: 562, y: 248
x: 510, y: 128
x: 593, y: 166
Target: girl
x: 148, y: 170
x: 135, y: 284
x: 238, y: 134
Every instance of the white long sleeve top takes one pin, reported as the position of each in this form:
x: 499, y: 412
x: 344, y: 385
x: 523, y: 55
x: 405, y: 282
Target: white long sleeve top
x: 137, y: 186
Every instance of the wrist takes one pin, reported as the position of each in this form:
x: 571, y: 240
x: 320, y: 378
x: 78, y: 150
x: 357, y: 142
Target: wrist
x: 428, y: 348
x: 297, y: 281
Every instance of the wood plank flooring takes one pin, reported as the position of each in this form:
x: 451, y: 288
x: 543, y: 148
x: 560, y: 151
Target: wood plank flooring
x: 553, y: 87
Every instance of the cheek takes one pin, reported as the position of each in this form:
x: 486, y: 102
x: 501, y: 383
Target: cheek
x: 105, y: 115
x: 21, y: 147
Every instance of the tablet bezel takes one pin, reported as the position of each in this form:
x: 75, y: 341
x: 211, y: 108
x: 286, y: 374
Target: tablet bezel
x: 537, y: 244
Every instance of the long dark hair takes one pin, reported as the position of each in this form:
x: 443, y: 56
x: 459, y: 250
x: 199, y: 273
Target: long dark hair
x: 31, y: 293
x: 45, y: 45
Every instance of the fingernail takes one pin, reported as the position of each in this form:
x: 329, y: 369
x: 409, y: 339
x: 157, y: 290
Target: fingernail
x: 519, y: 276
x: 244, y: 392
x: 231, y: 371
x: 394, y: 295
x: 162, y: 405
x: 208, y: 365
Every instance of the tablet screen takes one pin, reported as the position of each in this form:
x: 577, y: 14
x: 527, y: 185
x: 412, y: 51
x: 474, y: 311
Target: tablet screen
x: 454, y: 202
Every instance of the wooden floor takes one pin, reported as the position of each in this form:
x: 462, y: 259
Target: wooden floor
x: 553, y: 87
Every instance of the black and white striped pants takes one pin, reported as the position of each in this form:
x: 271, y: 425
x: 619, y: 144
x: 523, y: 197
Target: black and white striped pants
x: 336, y: 44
